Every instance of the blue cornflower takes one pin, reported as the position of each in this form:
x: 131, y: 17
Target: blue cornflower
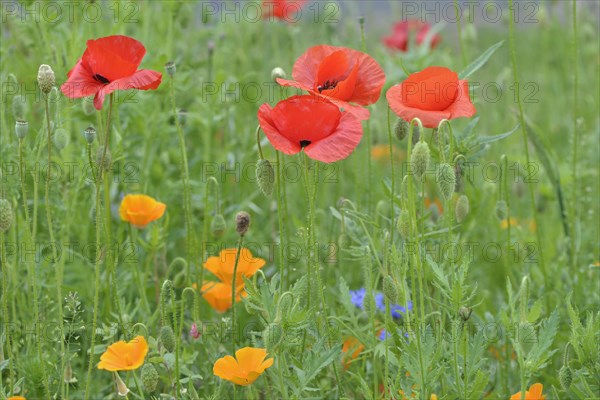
x: 357, y: 297
x: 380, y: 302
x: 398, y: 310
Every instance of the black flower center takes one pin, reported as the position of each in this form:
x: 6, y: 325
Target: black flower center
x: 304, y: 143
x: 327, y: 85
x: 101, y: 79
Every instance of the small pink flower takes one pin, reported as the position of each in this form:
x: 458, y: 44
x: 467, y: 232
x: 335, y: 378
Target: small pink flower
x: 194, y: 331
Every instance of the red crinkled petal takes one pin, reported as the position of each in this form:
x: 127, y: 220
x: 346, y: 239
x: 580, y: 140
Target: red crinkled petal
x: 430, y: 119
x: 433, y: 89
x: 462, y: 106
x: 143, y: 79
x: 340, y: 144
x: 278, y: 141
x: 113, y: 57
x: 80, y: 82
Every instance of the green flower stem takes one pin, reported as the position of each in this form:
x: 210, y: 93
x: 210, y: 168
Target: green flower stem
x: 280, y: 216
x: 575, y: 158
x: 137, y: 385
x: 140, y: 280
x: 233, y: 292
x: 11, y: 361
x: 22, y: 177
x: 513, y: 54
x: 461, y: 42
x: 393, y: 177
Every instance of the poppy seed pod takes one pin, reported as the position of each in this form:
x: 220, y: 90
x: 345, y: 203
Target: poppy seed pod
x: 171, y: 68
x: 60, y: 138
x: 217, y: 226
x: 403, y: 224
x: 565, y: 377
x: 390, y: 289
x: 265, y: 176
x: 167, y: 338
x: 45, y: 78
x: 401, y: 129
x: 446, y: 180
x: 149, y: 377
x: 90, y: 134
x: 501, y: 210
x: 19, y: 107
x: 462, y: 208
x: 278, y: 73
x: 21, y: 129
x: 242, y: 222
x: 6, y: 215
x: 420, y: 159
x: 87, y: 105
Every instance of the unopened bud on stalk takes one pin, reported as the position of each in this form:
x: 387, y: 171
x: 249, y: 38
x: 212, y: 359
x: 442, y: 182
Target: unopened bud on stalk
x: 87, y: 105
x: 182, y: 116
x: 218, y: 226
x: 465, y: 313
x: 265, y: 176
x: 122, y: 389
x: 242, y: 222
x: 420, y: 159
x: 167, y: 338
x: 462, y: 208
x: 501, y: 210
x: 45, y: 78
x: 565, y: 377
x: 403, y: 224
x: 19, y: 107
x: 90, y: 134
x: 401, y: 129
x: 60, y: 138
x: 390, y: 289
x: 149, y: 377
x: 446, y: 180
x: 171, y: 68
x: 6, y: 215
x: 21, y: 129
x: 68, y: 374
x: 277, y: 73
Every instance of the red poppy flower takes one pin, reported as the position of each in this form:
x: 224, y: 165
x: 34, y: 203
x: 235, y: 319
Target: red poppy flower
x: 316, y: 125
x: 431, y: 95
x: 402, y: 31
x: 339, y: 74
x: 108, y: 64
x: 287, y: 10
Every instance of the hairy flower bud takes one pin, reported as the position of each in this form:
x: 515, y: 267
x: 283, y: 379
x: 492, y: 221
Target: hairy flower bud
x: 390, y: 289
x: 60, y: 138
x: 45, y: 78
x: 171, y: 68
x: 217, y: 226
x: 90, y: 134
x: 565, y: 377
x: 19, y: 107
x: 401, y: 129
x: 403, y: 224
x: 446, y: 180
x: 21, y: 129
x: 278, y: 73
x: 420, y: 159
x: 149, y: 377
x: 242, y: 222
x: 265, y: 176
x: 465, y: 313
x: 167, y: 338
x: 6, y: 215
x: 462, y: 208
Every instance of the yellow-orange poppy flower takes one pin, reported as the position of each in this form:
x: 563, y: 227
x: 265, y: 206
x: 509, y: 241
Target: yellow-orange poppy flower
x: 534, y: 393
x: 223, y: 264
x: 139, y: 210
x: 249, y: 363
x: 218, y: 294
x: 351, y: 349
x: 124, y: 356
x: 16, y: 398
x: 506, y: 222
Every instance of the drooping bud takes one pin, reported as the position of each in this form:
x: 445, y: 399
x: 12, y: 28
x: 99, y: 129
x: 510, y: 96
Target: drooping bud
x: 6, y: 215
x: 90, y: 134
x: 403, y: 224
x: 21, y: 129
x: 565, y: 377
x: 462, y: 208
x: 217, y: 226
x: 171, y: 68
x: 416, y: 134
x: 390, y: 289
x: 167, y: 338
x: 60, y: 138
x: 87, y: 105
x: 242, y: 222
x: 19, y: 107
x: 277, y: 73
x: 149, y: 377
x: 401, y: 129
x: 107, y: 158
x: 420, y: 159
x: 465, y: 313
x: 501, y: 210
x: 446, y: 180
x: 265, y: 176
x: 122, y: 389
x: 45, y: 78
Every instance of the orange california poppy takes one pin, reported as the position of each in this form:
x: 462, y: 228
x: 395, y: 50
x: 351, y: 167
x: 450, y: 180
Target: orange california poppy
x: 431, y: 95
x: 286, y: 10
x: 139, y: 210
x: 534, y: 393
x: 249, y: 363
x: 16, y: 398
x: 222, y: 266
x: 316, y: 125
x: 218, y: 294
x: 351, y: 348
x: 341, y: 75
x: 506, y: 222
x: 124, y: 356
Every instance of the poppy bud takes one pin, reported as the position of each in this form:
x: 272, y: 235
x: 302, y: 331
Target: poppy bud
x: 343, y: 241
x: 60, y: 138
x: 149, y: 377
x: 46, y: 78
x: 420, y: 159
x: 19, y: 107
x: 501, y: 210
x: 390, y: 289
x: 6, y: 215
x: 122, y: 389
x: 265, y: 176
x: 68, y: 374
x: 277, y: 73
x: 284, y: 306
x: 53, y: 95
x: 107, y: 158
x: 462, y: 208
x: 167, y: 338
x: 416, y: 134
x: 87, y: 106
x: 194, y: 331
x: 171, y: 68
x: 401, y: 129
x: 218, y: 225
x: 369, y: 304
x: 90, y: 134
x: 565, y: 377
x: 272, y: 336
x: 446, y: 180
x: 179, y: 280
x: 458, y: 187
x: 403, y: 224
x: 242, y: 222
x: 21, y: 129
x: 182, y: 116
x: 465, y: 313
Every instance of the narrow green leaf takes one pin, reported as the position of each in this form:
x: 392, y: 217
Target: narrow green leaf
x: 479, y: 62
